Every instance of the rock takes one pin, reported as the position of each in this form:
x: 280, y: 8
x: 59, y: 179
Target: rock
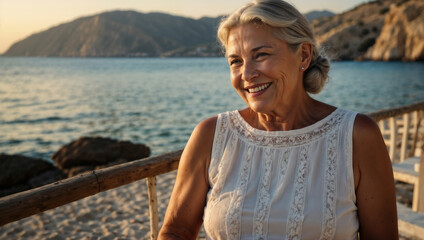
x: 377, y: 30
x: 348, y: 35
x: 94, y: 151
x: 402, y: 37
x: 70, y: 172
x: 46, y: 177
x: 17, y: 169
x: 14, y: 189
x: 78, y: 170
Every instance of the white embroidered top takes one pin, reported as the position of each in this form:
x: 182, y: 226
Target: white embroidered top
x: 294, y: 184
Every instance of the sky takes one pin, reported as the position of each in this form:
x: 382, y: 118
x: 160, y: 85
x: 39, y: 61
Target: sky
x: 21, y: 18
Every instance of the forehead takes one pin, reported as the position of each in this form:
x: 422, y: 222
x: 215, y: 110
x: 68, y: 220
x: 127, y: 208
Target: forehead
x: 250, y: 35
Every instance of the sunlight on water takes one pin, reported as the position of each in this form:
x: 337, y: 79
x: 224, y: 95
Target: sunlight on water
x: 48, y: 102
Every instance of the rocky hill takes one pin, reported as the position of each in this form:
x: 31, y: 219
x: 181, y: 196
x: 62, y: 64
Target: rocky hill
x: 118, y: 33
x: 349, y: 35
x: 402, y: 36
x: 379, y: 30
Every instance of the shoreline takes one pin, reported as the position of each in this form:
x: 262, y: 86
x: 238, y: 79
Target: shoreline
x: 120, y: 213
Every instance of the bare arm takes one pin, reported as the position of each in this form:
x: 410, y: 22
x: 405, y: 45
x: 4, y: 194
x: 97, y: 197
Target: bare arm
x: 183, y: 217
x: 374, y: 183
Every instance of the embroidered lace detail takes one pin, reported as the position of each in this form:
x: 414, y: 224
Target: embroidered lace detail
x: 284, y: 139
x: 349, y: 152
x: 296, y: 212
x: 278, y: 197
x: 236, y: 204
x: 329, y: 223
x: 284, y: 161
x: 222, y: 174
x: 219, y: 141
x: 263, y: 200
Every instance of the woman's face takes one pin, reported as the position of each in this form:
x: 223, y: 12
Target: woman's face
x: 265, y: 71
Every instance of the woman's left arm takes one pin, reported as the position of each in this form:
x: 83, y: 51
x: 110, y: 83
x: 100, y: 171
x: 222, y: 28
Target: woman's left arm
x: 374, y: 183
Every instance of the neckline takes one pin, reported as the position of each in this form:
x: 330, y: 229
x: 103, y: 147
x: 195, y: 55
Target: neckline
x: 303, y: 130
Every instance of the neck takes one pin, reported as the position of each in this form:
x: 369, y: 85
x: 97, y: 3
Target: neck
x: 303, y: 113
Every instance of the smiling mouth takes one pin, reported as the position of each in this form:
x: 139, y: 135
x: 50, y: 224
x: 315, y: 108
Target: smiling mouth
x: 258, y: 88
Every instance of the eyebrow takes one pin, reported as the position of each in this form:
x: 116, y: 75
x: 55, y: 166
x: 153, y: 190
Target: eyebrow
x: 253, y: 50
x: 260, y: 47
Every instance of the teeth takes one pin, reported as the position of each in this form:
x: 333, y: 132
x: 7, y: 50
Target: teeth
x: 260, y: 88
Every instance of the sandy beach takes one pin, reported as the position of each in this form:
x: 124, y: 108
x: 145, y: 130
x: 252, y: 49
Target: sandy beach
x: 121, y: 213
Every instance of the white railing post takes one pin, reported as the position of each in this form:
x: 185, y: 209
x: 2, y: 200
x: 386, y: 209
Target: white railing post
x: 393, y: 133
x: 153, y: 207
x: 405, y: 136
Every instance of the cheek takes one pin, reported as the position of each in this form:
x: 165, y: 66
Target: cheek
x: 235, y: 81
x: 287, y: 84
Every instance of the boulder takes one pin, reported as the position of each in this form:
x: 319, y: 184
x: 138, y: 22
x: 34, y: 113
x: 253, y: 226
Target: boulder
x: 402, y: 37
x: 17, y: 169
x: 95, y: 151
x: 46, y: 177
x: 14, y: 189
x: 73, y: 171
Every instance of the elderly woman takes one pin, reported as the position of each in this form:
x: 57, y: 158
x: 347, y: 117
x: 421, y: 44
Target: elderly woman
x: 287, y: 166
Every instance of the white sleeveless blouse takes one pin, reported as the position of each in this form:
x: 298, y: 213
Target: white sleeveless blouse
x: 294, y: 184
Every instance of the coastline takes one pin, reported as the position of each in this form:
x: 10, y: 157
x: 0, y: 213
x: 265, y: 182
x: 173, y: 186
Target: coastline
x: 121, y: 213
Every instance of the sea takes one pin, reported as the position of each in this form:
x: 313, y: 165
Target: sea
x: 46, y: 103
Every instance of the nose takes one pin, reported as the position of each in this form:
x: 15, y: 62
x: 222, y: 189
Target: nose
x: 249, y: 72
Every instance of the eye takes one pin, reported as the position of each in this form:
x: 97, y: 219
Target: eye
x: 261, y: 54
x: 234, y: 61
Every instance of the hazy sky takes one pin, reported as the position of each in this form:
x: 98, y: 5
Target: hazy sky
x: 21, y: 18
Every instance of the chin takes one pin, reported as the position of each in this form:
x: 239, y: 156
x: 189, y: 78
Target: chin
x: 259, y: 108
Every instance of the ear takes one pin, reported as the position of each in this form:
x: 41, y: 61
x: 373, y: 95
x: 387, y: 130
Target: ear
x: 305, y: 51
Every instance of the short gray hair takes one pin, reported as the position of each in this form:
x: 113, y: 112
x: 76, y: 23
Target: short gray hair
x: 288, y: 25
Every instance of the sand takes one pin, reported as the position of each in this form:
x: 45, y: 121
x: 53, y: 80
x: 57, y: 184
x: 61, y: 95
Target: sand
x: 121, y: 213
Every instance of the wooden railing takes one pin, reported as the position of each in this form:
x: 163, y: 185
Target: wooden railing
x: 28, y: 203
x: 393, y: 123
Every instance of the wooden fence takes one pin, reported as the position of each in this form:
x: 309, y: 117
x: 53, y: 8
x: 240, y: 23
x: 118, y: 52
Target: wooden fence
x: 393, y: 122
x: 28, y: 203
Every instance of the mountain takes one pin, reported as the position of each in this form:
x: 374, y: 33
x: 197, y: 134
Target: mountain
x: 118, y: 33
x: 379, y: 30
x: 348, y: 35
x: 317, y: 14
x: 127, y: 34
x: 402, y: 36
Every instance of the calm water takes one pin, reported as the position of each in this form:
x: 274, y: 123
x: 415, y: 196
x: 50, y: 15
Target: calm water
x: 48, y: 102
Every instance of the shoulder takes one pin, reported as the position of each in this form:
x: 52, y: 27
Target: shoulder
x: 207, y: 124
x: 365, y: 129
x: 369, y: 149
x: 367, y: 139
x: 206, y: 128
x: 199, y: 146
